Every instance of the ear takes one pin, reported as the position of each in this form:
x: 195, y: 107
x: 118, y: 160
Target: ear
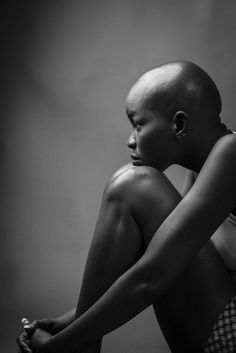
x: 180, y: 124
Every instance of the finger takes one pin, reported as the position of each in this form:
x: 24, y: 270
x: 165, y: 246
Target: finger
x: 25, y: 321
x: 22, y: 343
x: 31, y: 327
x: 27, y: 330
x: 22, y: 340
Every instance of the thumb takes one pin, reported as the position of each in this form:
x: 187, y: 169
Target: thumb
x: 29, y: 327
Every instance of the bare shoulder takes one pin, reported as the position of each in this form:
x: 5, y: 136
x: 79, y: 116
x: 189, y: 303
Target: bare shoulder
x: 215, y: 185
x: 221, y: 160
x: 225, y: 146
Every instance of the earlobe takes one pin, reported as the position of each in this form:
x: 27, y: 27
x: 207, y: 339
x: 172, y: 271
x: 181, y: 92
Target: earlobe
x: 180, y: 124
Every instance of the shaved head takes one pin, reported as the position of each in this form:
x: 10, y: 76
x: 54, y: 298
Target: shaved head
x: 178, y: 86
x: 175, y: 113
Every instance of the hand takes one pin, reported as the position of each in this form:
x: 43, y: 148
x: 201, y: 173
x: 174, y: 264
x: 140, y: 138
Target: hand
x: 49, y: 325
x: 39, y: 340
x: 23, y: 339
x: 23, y: 343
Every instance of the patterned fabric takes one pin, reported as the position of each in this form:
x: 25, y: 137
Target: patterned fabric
x: 223, y: 336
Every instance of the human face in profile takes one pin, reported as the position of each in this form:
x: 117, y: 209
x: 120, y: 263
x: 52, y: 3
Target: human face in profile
x: 151, y: 140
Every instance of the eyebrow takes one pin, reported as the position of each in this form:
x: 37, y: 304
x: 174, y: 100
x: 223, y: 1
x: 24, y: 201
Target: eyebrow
x: 131, y: 120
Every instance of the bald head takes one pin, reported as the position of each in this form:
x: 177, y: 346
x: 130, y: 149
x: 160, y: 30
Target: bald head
x: 178, y: 86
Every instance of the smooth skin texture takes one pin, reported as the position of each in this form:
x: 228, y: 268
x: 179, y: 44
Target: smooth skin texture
x: 118, y: 241
x: 174, y: 110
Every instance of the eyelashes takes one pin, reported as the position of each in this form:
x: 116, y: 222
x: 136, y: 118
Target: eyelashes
x: 137, y: 124
x: 138, y: 127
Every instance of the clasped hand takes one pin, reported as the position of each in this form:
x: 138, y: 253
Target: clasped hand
x: 36, y: 336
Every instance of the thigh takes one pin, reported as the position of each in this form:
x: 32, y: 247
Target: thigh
x: 188, y: 312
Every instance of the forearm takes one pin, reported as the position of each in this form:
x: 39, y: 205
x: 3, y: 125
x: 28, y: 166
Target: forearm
x: 127, y: 297
x: 66, y: 319
x: 142, y: 285
x: 170, y: 252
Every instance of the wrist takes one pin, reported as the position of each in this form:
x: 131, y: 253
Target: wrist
x: 64, y: 320
x: 60, y: 323
x: 46, y: 347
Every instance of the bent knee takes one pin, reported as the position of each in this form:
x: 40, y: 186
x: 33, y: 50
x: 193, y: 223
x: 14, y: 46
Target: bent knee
x: 149, y: 194
x: 143, y: 183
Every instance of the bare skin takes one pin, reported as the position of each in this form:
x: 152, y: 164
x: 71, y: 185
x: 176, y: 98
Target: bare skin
x: 119, y: 241
x: 190, y: 134
x: 133, y: 188
x: 200, y: 290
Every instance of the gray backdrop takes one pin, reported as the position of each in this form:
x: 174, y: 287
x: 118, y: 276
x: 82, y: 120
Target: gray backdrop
x: 66, y: 67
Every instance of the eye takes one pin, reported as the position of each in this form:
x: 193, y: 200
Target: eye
x: 139, y: 123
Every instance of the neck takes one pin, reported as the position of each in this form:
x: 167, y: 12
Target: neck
x: 201, y: 149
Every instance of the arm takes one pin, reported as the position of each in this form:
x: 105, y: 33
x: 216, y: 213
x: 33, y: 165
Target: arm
x: 177, y: 240
x: 97, y: 278
x: 64, y: 320
x: 116, y: 245
x: 189, y: 180
x: 51, y: 326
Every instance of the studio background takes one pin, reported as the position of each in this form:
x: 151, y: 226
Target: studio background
x: 66, y: 68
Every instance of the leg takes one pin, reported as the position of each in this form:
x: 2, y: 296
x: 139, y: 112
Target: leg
x: 189, y: 311
x: 192, y: 306
x: 111, y: 253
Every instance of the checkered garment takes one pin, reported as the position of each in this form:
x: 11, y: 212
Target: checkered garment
x: 223, y: 336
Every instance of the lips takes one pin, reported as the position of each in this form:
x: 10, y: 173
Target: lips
x: 135, y: 160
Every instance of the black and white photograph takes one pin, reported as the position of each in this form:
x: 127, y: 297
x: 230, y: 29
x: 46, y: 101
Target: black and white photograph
x: 118, y: 176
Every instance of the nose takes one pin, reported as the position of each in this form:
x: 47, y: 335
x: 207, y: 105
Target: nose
x: 131, y: 143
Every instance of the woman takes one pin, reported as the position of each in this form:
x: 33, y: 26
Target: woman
x: 175, y: 113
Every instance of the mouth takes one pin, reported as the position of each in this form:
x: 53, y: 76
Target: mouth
x: 134, y: 157
x: 135, y: 160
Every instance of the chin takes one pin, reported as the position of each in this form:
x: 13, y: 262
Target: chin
x: 137, y: 163
x: 158, y: 166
